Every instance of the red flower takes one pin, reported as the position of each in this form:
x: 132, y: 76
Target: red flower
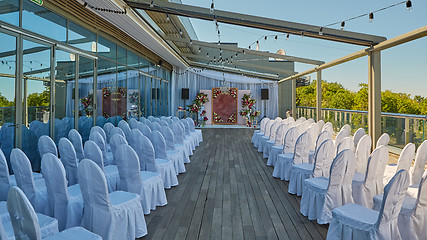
x: 205, y: 118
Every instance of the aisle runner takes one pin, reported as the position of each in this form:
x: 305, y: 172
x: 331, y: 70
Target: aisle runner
x: 224, y: 106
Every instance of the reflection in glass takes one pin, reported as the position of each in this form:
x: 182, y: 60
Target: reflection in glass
x: 107, y: 48
x: 7, y: 79
x: 81, y: 38
x: 106, y: 90
x: 133, y: 102
x: 9, y: 11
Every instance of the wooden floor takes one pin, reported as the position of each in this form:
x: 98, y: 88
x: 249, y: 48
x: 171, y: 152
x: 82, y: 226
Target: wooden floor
x: 228, y: 192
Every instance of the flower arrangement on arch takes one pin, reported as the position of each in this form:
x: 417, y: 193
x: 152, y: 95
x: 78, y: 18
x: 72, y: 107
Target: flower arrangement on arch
x: 232, y: 118
x: 197, y: 103
x: 215, y: 93
x: 248, y: 108
x: 233, y: 92
x: 87, y: 103
x: 217, y: 118
x: 203, y: 117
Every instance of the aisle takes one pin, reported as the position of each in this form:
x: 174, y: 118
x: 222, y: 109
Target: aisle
x: 229, y: 193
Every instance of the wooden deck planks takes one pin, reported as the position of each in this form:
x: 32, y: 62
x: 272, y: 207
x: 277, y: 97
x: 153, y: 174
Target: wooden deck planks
x: 228, y: 192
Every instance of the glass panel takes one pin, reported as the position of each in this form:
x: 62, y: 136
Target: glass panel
x: 85, y: 96
x: 44, y: 22
x: 64, y: 93
x: 121, y: 92
x: 106, y: 89
x: 133, y: 103
x: 132, y: 60
x: 9, y: 11
x: 121, y: 55
x: 81, y: 38
x: 107, y: 48
x: 148, y: 100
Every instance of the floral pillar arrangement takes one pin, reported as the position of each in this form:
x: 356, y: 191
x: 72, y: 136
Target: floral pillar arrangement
x: 196, y: 105
x: 87, y: 108
x: 248, y: 109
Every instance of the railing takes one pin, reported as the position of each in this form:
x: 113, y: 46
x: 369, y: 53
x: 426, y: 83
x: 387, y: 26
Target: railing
x: 402, y: 128
x: 7, y: 114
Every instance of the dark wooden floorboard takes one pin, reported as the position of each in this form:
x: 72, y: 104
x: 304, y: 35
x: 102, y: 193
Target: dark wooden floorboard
x: 228, y: 192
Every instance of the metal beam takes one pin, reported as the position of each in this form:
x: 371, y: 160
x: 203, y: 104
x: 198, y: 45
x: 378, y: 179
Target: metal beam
x: 266, y: 76
x: 407, y: 37
x: 294, y: 97
x: 256, y: 22
x: 319, y: 96
x: 228, y: 47
x: 242, y: 64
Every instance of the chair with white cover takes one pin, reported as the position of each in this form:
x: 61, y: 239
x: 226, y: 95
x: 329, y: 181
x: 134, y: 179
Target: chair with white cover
x: 107, y: 129
x: 321, y: 195
x: 34, y: 189
x: 69, y: 160
x: 320, y: 139
x: 366, y: 186
x: 193, y: 129
x: 133, y: 123
x: 343, y: 133
x: 66, y: 202
x: 179, y: 130
x: 277, y: 148
x: 272, y: 139
x: 148, y: 162
x: 288, y: 152
x: 5, y: 179
x: 328, y: 127
x: 171, y: 148
x: 266, y: 136
x: 259, y: 133
x: 404, y: 162
x: 363, y: 150
x: 419, y: 165
x: 323, y: 158
x: 146, y: 130
x: 353, y: 221
x: 193, y: 134
x: 383, y: 140
x: 164, y: 123
x: 26, y: 223
x: 156, y: 126
x: 115, y: 131
x: 346, y: 143
x: 178, y: 137
x: 100, y: 131
x: 92, y: 152
x: 175, y: 156
x: 358, y: 135
x: 284, y: 163
x: 117, y: 140
x: 320, y: 125
x: 125, y: 127
x: 47, y: 145
x: 148, y: 185
x: 116, y: 215
x: 300, y: 120
x: 76, y: 140
x: 99, y: 140
x: 187, y: 134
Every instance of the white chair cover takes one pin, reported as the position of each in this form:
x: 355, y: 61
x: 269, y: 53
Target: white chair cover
x: 271, y: 140
x: 123, y: 125
x: 178, y: 135
x: 283, y: 166
x: 300, y: 120
x: 148, y: 185
x: 358, y: 135
x: 383, y: 140
x: 366, y: 186
x: 117, y: 215
x: 263, y: 139
x: 259, y: 133
x: 175, y: 156
x: 76, y: 139
x: 313, y: 131
x: 115, y: 131
x: 362, y: 153
x: 116, y: 141
x: 419, y: 165
x: 5, y: 179
x: 288, y: 146
x: 320, y: 125
x: 145, y: 151
x: 321, y: 195
x: 346, y: 143
x: 404, y: 162
x: 99, y: 140
x: 277, y: 148
x: 133, y: 123
x: 35, y: 190
x: 193, y: 129
x: 320, y: 139
x: 353, y: 221
x: 92, y: 152
x: 66, y: 203
x: 47, y: 145
x: 107, y: 129
x: 100, y: 131
x: 341, y: 135
x: 187, y: 134
x: 171, y: 146
x: 329, y: 128
x: 322, y: 162
x: 69, y: 160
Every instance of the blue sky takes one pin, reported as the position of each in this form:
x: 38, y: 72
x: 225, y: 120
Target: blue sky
x: 403, y: 67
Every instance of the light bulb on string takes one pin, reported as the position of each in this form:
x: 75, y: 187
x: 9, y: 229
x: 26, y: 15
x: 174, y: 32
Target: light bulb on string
x: 342, y: 25
x: 371, y: 17
x: 191, y: 41
x: 302, y: 34
x: 287, y: 36
x: 200, y: 49
x: 220, y: 50
x: 207, y: 54
x: 167, y: 17
x: 244, y: 52
x: 180, y: 32
x: 275, y: 38
x: 265, y: 38
x: 152, y: 4
x: 249, y: 47
x: 409, y: 5
x: 212, y: 7
x: 321, y: 31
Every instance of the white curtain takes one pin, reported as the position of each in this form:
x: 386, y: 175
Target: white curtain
x: 207, y: 79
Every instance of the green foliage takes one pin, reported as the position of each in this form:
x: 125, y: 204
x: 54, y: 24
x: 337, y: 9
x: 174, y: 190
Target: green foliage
x: 39, y: 99
x: 334, y: 95
x: 4, y: 102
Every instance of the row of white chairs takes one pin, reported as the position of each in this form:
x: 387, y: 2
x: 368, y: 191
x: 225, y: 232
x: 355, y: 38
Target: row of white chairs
x: 344, y: 171
x: 61, y: 193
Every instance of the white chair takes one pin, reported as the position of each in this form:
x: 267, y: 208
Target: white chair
x: 46, y: 145
x: 259, y: 133
x: 156, y: 126
x: 353, y: 221
x: 107, y: 129
x: 362, y: 153
x: 148, y: 185
x: 35, y: 190
x: 358, y: 135
x: 321, y: 195
x: 272, y: 139
x: 69, y: 160
x: 116, y: 215
x: 288, y: 151
x: 320, y: 168
x: 171, y: 147
x: 383, y: 140
x: 277, y: 148
x: 346, y: 143
x: 187, y: 134
x: 175, y: 156
x: 178, y: 135
x: 100, y: 131
x: 320, y: 125
x: 5, y: 179
x: 26, y: 223
x: 117, y: 140
x: 404, y: 162
x: 111, y: 173
x: 366, y: 186
x: 284, y: 164
x: 145, y: 150
x: 343, y: 133
x: 193, y: 129
x: 300, y: 120
x: 76, y: 139
x: 99, y: 140
x: 314, y: 134
x: 419, y: 165
x: 266, y: 137
x: 115, y: 131
x: 133, y: 123
x: 66, y: 202
x: 144, y: 129
x: 123, y: 125
x: 320, y: 139
x: 328, y: 127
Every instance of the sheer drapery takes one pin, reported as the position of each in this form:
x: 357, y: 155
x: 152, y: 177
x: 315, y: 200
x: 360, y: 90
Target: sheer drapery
x: 208, y: 79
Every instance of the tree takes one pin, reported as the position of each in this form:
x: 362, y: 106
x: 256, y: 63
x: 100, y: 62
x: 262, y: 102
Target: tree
x: 39, y: 99
x: 4, y: 102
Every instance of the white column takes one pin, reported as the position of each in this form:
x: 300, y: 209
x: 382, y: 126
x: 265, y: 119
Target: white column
x: 319, y: 96
x: 374, y: 96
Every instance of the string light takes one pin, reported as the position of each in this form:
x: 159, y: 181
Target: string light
x: 342, y: 25
x: 152, y: 4
x: 200, y: 49
x: 212, y: 7
x: 191, y: 41
x: 321, y: 31
x: 409, y: 5
x: 371, y: 17
x: 180, y: 32
x: 287, y: 36
x: 167, y: 17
